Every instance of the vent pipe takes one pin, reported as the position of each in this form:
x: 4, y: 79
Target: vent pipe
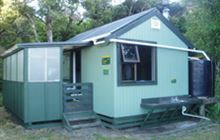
x: 166, y: 10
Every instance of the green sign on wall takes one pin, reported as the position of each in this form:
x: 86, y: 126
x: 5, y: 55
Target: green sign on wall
x: 106, y: 71
x: 106, y: 60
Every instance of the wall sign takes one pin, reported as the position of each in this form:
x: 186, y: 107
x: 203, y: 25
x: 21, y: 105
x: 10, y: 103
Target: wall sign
x: 155, y: 23
x: 106, y: 71
x: 173, y: 81
x: 106, y: 60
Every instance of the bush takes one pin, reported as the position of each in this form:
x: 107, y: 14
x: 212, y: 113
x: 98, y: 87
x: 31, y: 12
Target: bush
x: 1, y: 100
x: 217, y: 86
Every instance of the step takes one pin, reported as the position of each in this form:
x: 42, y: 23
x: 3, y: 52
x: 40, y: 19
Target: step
x: 87, y: 125
x: 79, y: 114
x: 82, y: 118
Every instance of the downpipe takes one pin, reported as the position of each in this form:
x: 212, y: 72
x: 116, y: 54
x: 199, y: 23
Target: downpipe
x: 191, y: 115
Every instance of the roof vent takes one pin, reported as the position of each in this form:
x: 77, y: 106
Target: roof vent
x: 166, y: 13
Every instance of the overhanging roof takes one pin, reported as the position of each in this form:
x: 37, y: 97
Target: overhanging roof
x: 20, y: 46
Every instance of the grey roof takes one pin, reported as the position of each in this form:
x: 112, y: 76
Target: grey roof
x: 116, y: 28
x: 20, y: 46
x: 110, y: 27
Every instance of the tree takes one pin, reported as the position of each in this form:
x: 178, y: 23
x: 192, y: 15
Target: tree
x: 202, y: 27
x: 130, y: 7
x: 29, y: 13
x: 8, y: 16
x: 98, y: 12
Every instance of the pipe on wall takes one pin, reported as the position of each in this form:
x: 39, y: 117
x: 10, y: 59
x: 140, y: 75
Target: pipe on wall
x: 160, y: 46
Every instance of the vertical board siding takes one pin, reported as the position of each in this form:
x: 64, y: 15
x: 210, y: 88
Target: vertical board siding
x: 170, y: 64
x: 13, y: 97
x: 36, y: 102
x: 44, y: 101
x: 103, y: 85
x: 53, y: 101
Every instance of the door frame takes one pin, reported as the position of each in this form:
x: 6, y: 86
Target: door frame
x: 73, y: 67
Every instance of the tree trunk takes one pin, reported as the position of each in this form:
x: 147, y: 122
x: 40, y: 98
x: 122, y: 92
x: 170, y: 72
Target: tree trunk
x: 49, y: 26
x: 33, y: 26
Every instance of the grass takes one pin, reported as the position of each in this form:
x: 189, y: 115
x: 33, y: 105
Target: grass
x: 100, y: 137
x: 9, y: 130
x: 212, y: 134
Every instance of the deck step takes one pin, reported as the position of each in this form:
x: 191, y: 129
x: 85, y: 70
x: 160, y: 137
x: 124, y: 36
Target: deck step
x: 89, y: 125
x: 83, y: 118
x: 78, y: 120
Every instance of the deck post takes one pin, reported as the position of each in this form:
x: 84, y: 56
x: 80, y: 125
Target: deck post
x: 202, y: 110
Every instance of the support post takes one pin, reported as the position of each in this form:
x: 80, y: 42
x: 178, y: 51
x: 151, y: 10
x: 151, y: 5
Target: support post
x: 202, y: 110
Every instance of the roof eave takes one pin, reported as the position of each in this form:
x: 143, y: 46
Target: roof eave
x: 20, y: 46
x: 53, y: 44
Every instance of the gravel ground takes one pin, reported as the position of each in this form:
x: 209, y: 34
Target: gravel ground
x: 10, y: 129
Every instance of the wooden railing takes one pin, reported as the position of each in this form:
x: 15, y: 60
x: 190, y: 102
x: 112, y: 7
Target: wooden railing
x: 77, y: 97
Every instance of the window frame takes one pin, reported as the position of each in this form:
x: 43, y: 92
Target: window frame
x: 119, y: 68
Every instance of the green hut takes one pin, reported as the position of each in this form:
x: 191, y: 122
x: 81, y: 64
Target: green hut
x: 105, y: 72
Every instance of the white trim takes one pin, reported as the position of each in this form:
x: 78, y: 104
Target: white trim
x: 74, y: 67
x: 97, y: 37
x: 160, y: 46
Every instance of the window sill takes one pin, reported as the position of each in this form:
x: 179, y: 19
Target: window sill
x: 137, y: 83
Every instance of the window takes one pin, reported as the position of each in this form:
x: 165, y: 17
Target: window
x: 53, y: 64
x: 20, y: 66
x: 137, y: 64
x: 44, y: 64
x: 13, y: 67
x: 130, y: 53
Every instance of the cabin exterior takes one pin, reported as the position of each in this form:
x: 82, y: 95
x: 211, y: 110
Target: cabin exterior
x: 119, y: 63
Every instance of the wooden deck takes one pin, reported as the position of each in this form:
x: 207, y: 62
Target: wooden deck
x: 78, y: 106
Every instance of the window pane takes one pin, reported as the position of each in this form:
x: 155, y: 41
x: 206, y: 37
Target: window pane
x: 130, y: 53
x: 20, y: 66
x: 4, y: 69
x: 128, y: 70
x: 13, y: 67
x: 36, y: 64
x: 8, y: 68
x: 144, y: 68
x: 53, y: 64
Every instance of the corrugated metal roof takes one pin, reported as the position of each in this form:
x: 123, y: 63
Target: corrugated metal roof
x: 116, y: 28
x: 108, y: 28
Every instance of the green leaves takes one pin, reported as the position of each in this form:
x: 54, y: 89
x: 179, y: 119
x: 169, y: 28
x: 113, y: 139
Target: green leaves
x: 203, y: 27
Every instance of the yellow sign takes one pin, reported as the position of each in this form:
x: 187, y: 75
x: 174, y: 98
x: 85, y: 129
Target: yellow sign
x: 106, y: 60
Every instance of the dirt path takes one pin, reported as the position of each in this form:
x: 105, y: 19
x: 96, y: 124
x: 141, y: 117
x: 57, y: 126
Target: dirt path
x: 189, y: 130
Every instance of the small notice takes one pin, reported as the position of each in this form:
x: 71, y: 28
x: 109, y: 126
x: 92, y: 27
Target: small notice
x: 173, y: 81
x: 106, y: 71
x: 106, y: 60
x: 155, y: 23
